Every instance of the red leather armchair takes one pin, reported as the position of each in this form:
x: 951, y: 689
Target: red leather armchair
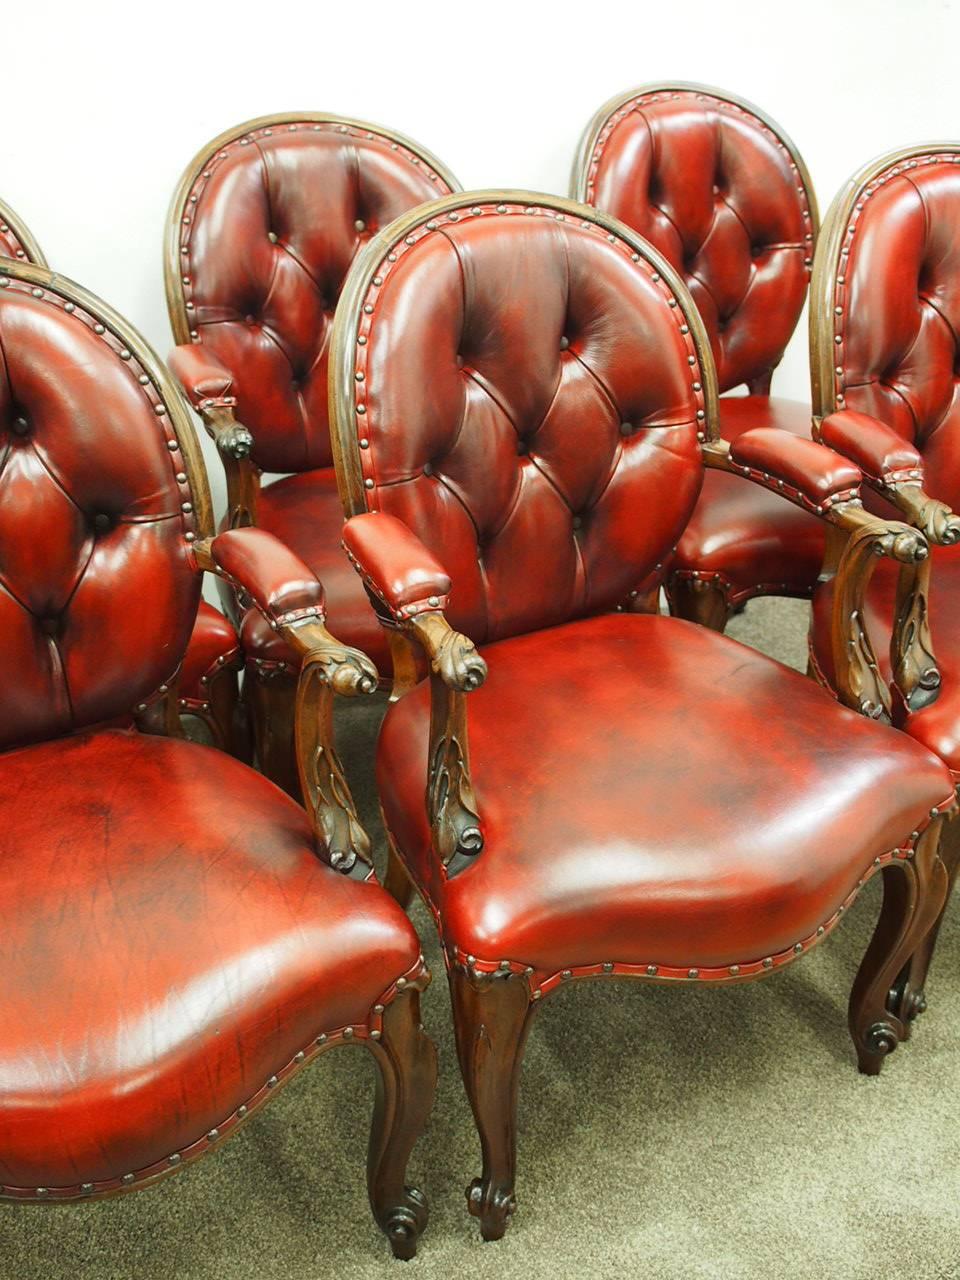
x: 596, y: 791
x: 723, y: 193
x: 262, y: 229
x: 180, y: 937
x: 209, y: 687
x: 884, y: 320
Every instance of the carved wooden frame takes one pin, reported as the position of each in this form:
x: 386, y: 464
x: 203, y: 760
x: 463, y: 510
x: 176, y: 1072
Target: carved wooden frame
x: 495, y: 998
x: 392, y: 1031
x: 22, y: 233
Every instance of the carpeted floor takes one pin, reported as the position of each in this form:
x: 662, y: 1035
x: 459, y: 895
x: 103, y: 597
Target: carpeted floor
x: 664, y: 1135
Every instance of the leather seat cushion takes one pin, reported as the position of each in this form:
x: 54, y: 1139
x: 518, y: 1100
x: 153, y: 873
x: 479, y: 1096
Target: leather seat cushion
x: 652, y: 792
x: 213, y: 637
x: 170, y: 942
x: 305, y: 512
x: 937, y: 726
x: 759, y: 543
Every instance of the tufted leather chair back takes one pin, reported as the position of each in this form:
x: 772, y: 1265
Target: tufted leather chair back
x: 519, y: 380
x: 16, y: 239
x: 98, y: 588
x: 263, y: 228
x: 885, y: 310
x: 722, y: 192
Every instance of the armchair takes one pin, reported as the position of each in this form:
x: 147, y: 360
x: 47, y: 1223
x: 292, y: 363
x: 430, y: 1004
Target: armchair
x: 582, y: 789
x: 209, y: 688
x: 262, y: 229
x: 722, y: 192
x: 180, y: 937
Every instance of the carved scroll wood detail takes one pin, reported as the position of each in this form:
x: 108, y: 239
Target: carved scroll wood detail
x: 234, y: 443
x: 457, y: 669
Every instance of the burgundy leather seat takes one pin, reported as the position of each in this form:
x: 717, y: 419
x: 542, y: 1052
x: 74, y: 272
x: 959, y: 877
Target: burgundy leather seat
x: 625, y: 794
x: 195, y: 988
x: 652, y: 864
x: 180, y: 936
x: 208, y: 681
x: 884, y: 326
x: 264, y: 226
x: 724, y: 195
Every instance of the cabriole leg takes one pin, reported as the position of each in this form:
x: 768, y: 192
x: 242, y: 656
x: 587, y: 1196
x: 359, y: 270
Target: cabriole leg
x: 914, y: 894
x: 406, y: 1083
x: 491, y: 1018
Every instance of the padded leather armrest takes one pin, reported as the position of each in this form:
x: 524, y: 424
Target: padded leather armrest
x: 200, y: 374
x: 395, y: 565
x: 814, y: 473
x: 882, y: 455
x: 276, y: 580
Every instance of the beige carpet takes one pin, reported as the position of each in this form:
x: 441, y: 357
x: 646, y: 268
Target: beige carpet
x: 665, y: 1135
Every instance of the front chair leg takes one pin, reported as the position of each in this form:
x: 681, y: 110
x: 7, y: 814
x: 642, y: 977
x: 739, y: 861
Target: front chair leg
x: 406, y: 1083
x: 701, y: 600
x: 491, y: 1018
x: 914, y: 978
x: 271, y: 695
x: 881, y: 1002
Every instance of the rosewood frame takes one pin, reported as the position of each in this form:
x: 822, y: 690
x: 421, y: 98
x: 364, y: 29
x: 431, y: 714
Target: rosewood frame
x: 495, y: 999
x: 392, y: 1031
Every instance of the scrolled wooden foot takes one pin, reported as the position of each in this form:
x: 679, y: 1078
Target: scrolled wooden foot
x: 491, y: 1017
x: 885, y: 998
x: 406, y: 1083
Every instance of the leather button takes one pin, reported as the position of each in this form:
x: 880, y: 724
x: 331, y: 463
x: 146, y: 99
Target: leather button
x: 49, y: 626
x: 564, y: 343
x: 626, y: 428
x: 428, y: 469
x: 577, y: 522
x: 20, y: 427
x: 522, y: 448
x: 102, y: 523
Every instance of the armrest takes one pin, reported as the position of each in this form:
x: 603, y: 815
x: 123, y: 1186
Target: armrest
x: 395, y: 566
x: 291, y: 599
x: 409, y: 588
x: 265, y: 569
x: 208, y: 385
x: 201, y: 374
x: 807, y: 473
x: 882, y: 455
x: 892, y: 466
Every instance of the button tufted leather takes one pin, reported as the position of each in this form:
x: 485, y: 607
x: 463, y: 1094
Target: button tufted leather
x: 895, y: 314
x: 86, y: 641
x: 639, y: 849
x: 459, y: 356
x: 185, y: 951
x: 268, y: 225
x: 723, y: 195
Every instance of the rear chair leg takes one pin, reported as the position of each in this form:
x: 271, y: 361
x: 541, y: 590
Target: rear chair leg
x: 272, y: 697
x: 491, y: 1018
x: 397, y: 881
x: 701, y: 600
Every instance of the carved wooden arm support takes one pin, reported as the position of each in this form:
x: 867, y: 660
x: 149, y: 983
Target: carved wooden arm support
x: 893, y: 467
x: 291, y: 599
x: 812, y: 476
x: 409, y: 589
x: 208, y: 385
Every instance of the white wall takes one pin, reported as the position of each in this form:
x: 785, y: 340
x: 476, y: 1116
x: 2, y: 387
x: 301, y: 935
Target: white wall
x: 104, y: 103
